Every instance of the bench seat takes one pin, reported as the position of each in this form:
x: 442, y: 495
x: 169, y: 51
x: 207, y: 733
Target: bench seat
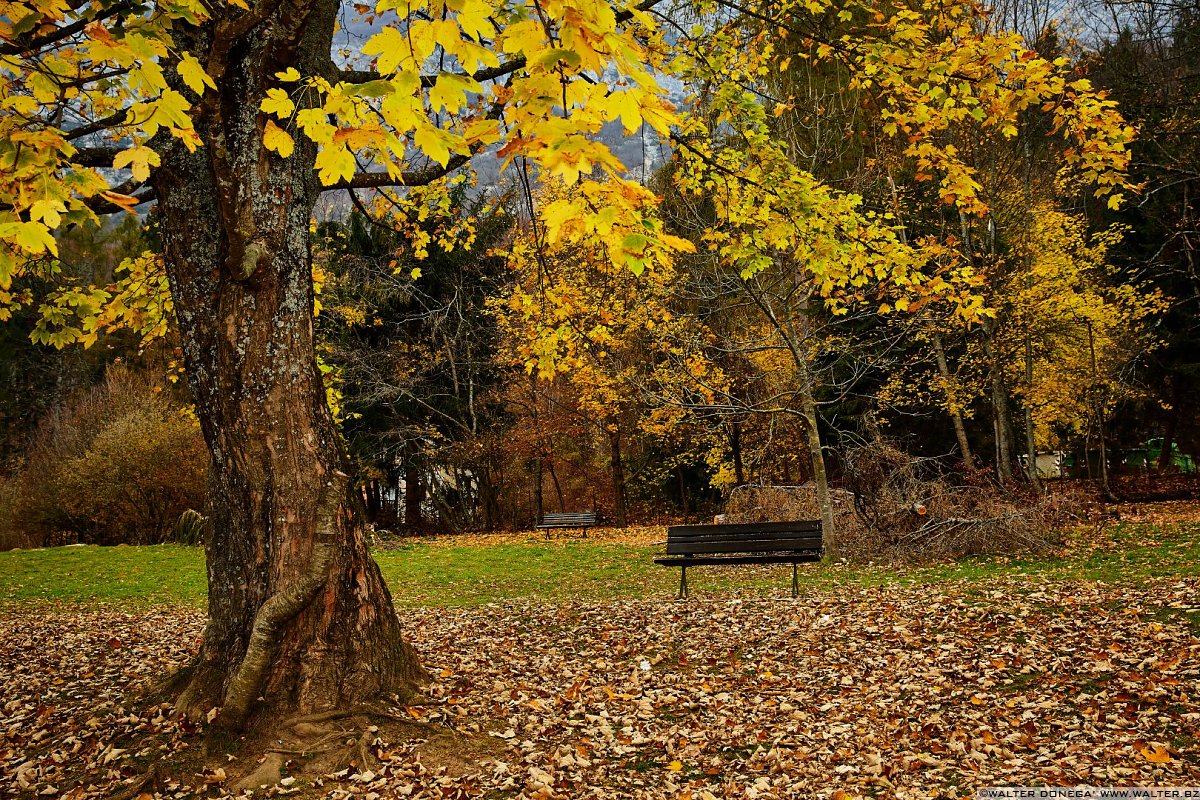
x: 794, y: 543
x: 580, y: 519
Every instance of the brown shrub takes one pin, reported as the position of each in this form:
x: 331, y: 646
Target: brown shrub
x: 117, y: 465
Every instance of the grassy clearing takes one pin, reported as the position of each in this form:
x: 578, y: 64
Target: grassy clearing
x: 464, y: 572
x: 164, y: 574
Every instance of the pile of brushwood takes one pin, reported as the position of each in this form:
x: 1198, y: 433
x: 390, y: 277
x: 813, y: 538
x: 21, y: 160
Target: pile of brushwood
x: 914, y: 508
x: 893, y: 505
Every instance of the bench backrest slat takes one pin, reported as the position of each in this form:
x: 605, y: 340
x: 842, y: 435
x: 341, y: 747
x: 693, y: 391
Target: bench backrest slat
x: 721, y: 536
x: 568, y: 519
x: 804, y: 535
x: 798, y: 526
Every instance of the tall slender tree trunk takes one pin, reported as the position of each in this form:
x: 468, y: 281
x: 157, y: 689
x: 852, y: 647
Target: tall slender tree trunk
x: 735, y: 444
x: 1001, y: 419
x: 539, y: 509
x: 414, y: 498
x: 617, y: 468
x: 956, y: 419
x: 1031, y: 468
x: 558, y: 492
x: 1002, y: 422
x: 684, y: 506
x: 299, y: 618
x: 812, y: 438
x: 1098, y: 412
x: 1164, y: 457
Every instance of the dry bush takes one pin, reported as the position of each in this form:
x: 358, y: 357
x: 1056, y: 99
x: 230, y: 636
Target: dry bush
x: 10, y: 536
x: 117, y: 465
x: 908, y: 508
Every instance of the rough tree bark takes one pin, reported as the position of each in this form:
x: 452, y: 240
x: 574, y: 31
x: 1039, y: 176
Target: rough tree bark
x: 300, y: 619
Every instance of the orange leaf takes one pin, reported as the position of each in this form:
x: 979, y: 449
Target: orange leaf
x: 1154, y: 753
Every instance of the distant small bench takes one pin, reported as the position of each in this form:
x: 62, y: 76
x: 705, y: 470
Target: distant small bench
x: 579, y: 519
x: 757, y: 543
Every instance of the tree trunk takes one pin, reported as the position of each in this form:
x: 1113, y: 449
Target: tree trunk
x: 1001, y: 421
x: 374, y: 498
x: 683, y: 493
x: 618, y: 475
x: 414, y: 498
x: 960, y: 430
x: 1031, y: 468
x: 538, y: 503
x: 299, y: 618
x: 558, y: 492
x: 812, y: 437
x: 1098, y: 410
x: 1164, y: 457
x: 735, y: 444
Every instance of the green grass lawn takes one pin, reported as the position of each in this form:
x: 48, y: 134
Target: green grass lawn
x: 426, y: 574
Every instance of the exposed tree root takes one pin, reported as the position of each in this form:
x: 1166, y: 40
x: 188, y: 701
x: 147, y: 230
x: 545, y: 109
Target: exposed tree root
x: 147, y: 780
x: 269, y: 772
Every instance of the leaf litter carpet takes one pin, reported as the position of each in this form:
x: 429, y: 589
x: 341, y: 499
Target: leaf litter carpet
x: 874, y: 692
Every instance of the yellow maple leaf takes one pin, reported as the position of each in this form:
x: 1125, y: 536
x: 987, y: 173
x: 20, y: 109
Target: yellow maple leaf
x: 335, y: 164
x: 278, y: 103
x: 137, y: 159
x: 193, y: 74
x: 277, y: 139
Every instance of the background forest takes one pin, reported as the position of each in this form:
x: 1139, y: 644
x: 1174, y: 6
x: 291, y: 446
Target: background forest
x: 485, y: 373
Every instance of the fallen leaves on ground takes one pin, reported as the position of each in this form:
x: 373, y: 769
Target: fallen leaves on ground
x: 907, y: 692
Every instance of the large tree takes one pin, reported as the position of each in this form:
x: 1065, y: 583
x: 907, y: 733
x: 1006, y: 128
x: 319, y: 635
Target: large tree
x: 193, y: 106
x: 234, y: 118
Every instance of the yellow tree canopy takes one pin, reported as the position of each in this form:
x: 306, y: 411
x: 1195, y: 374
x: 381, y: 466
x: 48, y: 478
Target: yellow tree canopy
x: 89, y: 92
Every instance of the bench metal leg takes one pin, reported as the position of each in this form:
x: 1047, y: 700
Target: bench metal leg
x: 795, y: 580
x: 683, y: 587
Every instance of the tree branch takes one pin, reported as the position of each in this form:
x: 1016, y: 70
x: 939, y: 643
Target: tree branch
x: 427, y: 81
x: 419, y: 177
x: 95, y: 156
x: 23, y: 47
x: 111, y: 121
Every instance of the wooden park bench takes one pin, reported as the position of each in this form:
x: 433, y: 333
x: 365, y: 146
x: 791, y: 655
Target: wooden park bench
x: 575, y: 519
x: 751, y: 543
